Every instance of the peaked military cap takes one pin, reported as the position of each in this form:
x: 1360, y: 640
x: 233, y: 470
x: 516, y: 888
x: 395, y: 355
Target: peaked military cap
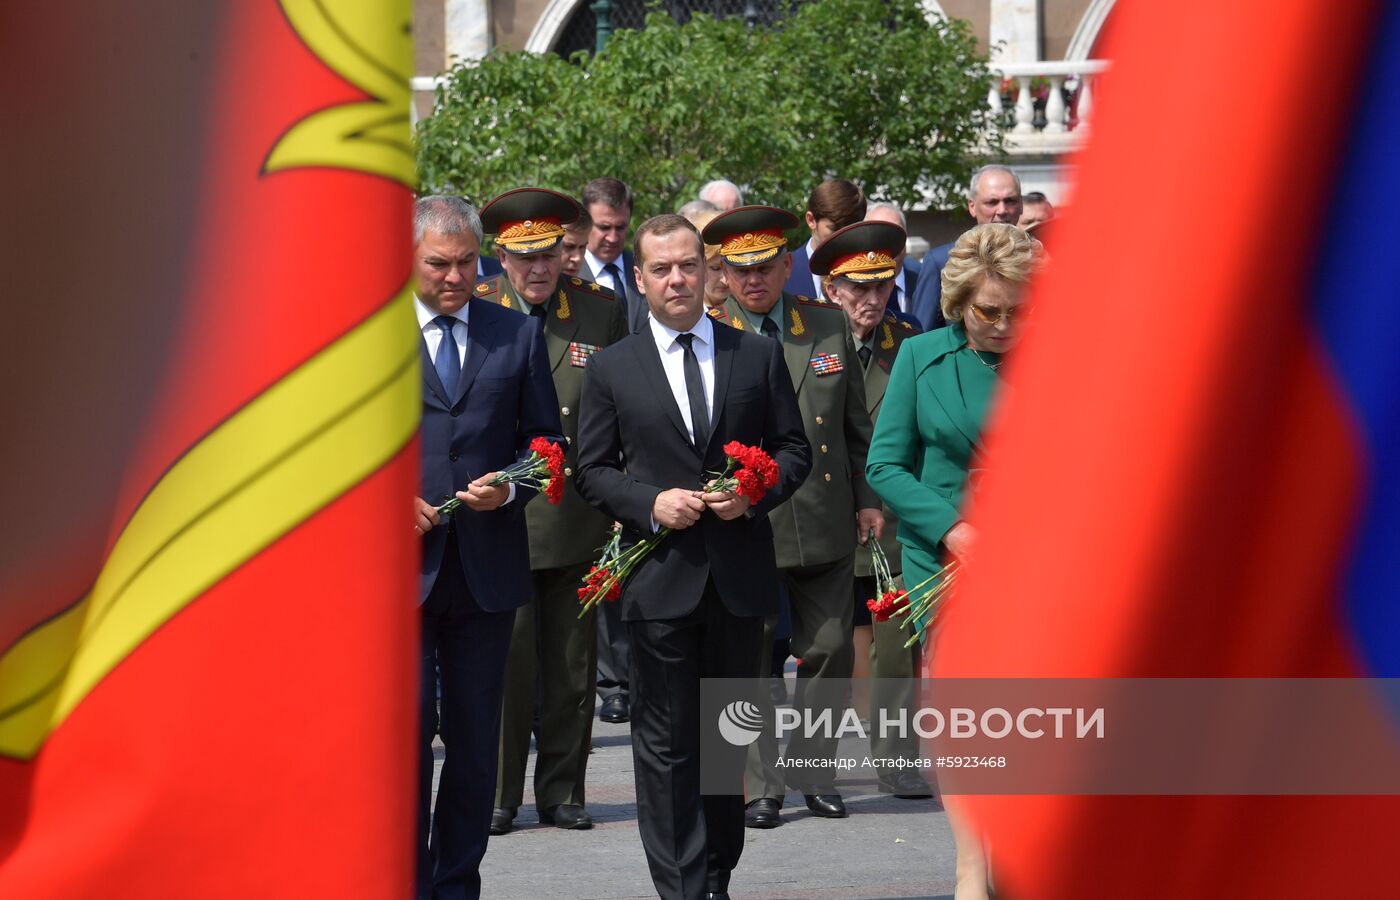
x: 864, y: 252
x: 528, y: 220
x: 749, y: 235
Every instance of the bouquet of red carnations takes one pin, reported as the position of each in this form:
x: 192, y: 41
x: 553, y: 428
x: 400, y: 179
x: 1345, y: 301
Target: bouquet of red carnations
x: 748, y: 472
x: 928, y: 595
x: 542, y: 470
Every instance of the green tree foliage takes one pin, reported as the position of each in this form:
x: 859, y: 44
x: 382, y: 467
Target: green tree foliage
x: 869, y: 90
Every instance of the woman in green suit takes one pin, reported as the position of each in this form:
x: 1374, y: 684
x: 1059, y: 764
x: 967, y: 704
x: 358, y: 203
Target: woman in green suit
x: 926, y: 449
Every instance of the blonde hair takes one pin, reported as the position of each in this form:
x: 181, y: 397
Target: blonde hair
x: 994, y: 250
x: 700, y: 219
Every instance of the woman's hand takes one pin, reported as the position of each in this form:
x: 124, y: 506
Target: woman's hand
x: 960, y: 541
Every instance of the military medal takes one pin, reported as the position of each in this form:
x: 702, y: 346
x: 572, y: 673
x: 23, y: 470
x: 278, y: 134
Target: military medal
x: 827, y: 364
x: 579, y: 353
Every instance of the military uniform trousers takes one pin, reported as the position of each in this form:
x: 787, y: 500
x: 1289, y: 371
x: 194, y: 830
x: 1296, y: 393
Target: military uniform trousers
x: 892, y: 687
x: 552, y: 657
x: 819, y: 599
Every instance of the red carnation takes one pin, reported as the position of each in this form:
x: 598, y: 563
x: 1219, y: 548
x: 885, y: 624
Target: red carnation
x: 554, y: 491
x: 750, y: 485
x: 891, y: 603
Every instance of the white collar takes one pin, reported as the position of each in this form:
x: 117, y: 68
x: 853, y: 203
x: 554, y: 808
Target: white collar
x: 426, y: 316
x: 704, y: 331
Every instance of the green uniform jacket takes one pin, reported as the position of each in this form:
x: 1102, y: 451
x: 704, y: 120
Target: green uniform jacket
x: 890, y: 334
x: 927, y: 440
x: 818, y: 524
x: 582, y: 319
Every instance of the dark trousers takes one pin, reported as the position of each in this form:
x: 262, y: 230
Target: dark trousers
x: 819, y: 598
x: 614, y: 662
x: 692, y: 841
x: 552, y: 655
x: 467, y: 645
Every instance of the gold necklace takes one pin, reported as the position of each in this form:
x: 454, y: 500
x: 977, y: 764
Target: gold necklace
x: 978, y: 353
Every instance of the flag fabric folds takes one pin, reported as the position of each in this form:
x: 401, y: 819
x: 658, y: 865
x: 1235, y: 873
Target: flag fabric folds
x: 207, y: 647
x: 1196, y: 459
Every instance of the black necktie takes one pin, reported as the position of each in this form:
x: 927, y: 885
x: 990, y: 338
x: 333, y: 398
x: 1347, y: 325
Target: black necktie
x: 769, y: 329
x: 448, y: 366
x: 613, y: 272
x: 538, y: 309
x: 864, y: 357
x: 695, y: 391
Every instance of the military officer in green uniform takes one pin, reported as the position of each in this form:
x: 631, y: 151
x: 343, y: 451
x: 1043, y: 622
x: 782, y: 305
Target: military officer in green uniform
x: 551, y: 646
x: 858, y: 265
x: 815, y: 534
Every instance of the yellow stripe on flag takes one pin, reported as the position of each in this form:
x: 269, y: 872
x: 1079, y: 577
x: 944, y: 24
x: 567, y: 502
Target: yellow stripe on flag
x: 291, y: 451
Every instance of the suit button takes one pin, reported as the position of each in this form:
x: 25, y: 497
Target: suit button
x: 819, y: 420
x: 452, y: 456
x: 456, y: 413
x: 828, y: 476
x: 564, y: 410
x: 568, y: 440
x: 823, y: 448
x: 568, y: 471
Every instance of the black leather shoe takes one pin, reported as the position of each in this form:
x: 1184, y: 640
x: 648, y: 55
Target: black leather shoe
x: 614, y: 709
x: 762, y: 813
x: 568, y: 816
x: 722, y: 895
x: 828, y: 806
x: 905, y: 785
x: 502, y: 819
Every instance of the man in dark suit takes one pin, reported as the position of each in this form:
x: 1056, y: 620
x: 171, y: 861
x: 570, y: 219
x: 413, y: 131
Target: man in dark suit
x: 832, y: 205
x: 608, y: 203
x: 694, y: 607
x: 994, y: 195
x: 487, y: 267
x: 487, y: 393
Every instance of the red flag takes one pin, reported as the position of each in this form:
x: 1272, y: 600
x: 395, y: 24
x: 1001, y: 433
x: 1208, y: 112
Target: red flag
x: 207, y: 673
x: 1176, y: 478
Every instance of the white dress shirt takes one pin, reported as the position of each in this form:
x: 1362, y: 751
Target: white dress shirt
x: 595, y: 265
x: 816, y: 279
x: 673, y: 361
x: 432, y: 334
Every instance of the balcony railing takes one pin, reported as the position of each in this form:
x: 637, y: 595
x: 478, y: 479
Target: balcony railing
x: 1047, y: 105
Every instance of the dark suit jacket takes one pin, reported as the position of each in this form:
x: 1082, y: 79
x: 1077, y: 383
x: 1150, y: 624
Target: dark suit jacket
x: 490, y: 267
x: 930, y: 289
x: 504, y: 399
x: 633, y: 444
x: 636, y: 302
x: 800, y: 278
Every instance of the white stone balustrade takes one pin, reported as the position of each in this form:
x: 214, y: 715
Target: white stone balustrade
x: 1058, y: 134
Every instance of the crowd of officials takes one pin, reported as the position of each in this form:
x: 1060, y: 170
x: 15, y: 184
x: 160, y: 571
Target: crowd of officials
x: 865, y: 375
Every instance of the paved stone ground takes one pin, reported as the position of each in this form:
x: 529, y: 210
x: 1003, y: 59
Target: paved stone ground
x: 888, y: 848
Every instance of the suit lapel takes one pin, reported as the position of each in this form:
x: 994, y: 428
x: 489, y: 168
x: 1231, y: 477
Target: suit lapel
x: 798, y: 341
x: 877, y: 374
x: 430, y: 376
x: 650, y: 360
x: 478, y: 348
x: 726, y: 340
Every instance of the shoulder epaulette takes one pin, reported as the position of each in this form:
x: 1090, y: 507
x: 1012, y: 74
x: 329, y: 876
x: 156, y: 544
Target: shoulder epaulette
x: 717, y: 313
x: 590, y: 287
x: 819, y: 302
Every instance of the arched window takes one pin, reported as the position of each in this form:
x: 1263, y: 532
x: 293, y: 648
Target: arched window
x: 581, y: 30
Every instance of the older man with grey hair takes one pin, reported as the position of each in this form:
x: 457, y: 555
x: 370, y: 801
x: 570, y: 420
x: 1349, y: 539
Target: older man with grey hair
x: 906, y: 277
x: 487, y: 393
x: 993, y: 195
x: 725, y: 195
x: 690, y: 211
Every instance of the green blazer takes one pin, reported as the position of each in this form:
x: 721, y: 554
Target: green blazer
x: 890, y: 335
x: 581, y: 319
x: 927, y: 440
x: 818, y: 525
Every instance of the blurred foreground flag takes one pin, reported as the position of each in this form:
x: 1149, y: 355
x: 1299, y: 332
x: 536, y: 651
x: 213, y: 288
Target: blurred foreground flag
x: 1198, y: 461
x: 207, y: 638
